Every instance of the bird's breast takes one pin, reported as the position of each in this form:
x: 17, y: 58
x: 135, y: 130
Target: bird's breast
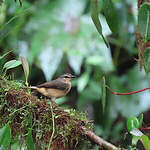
x: 56, y: 93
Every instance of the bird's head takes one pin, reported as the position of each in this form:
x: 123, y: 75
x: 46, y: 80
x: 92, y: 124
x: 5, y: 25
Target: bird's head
x: 67, y: 76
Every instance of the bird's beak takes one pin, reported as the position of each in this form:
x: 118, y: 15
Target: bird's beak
x: 72, y: 76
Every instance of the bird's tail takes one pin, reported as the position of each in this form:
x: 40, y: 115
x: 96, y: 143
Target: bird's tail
x: 32, y: 87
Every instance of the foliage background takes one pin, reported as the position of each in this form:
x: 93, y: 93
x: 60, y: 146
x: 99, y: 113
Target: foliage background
x: 58, y: 36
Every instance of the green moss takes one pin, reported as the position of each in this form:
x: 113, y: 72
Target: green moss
x: 23, y: 111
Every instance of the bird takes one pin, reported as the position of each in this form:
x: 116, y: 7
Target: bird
x: 56, y: 88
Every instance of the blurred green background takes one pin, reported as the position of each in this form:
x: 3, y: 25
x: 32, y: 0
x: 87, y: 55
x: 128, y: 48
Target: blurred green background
x: 58, y: 36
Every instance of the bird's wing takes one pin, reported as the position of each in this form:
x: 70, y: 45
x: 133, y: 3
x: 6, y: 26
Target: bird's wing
x: 54, y: 84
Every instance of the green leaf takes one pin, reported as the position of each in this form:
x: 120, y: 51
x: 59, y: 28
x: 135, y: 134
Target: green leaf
x: 95, y: 60
x: 138, y: 135
x: 132, y: 123
x: 5, y: 137
x: 146, y: 60
x: 111, y: 15
x: 140, y: 120
x: 103, y: 93
x: 20, y: 2
x: 135, y: 140
x: 25, y: 68
x: 94, y: 15
x: 48, y: 63
x: 1, y: 57
x: 82, y: 81
x: 11, y: 64
x: 75, y: 59
x: 30, y: 143
x: 144, y: 21
x: 96, y: 21
x: 3, y: 60
x: 146, y: 142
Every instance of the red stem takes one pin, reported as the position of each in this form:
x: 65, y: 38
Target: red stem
x: 129, y: 93
x: 147, y: 128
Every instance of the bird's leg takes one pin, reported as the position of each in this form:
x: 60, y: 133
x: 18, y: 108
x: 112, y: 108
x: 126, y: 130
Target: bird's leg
x: 53, y: 101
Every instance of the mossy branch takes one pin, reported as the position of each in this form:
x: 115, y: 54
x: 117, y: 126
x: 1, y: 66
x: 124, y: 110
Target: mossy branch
x: 51, y: 125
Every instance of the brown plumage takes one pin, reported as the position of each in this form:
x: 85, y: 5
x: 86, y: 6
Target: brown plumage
x: 55, y: 88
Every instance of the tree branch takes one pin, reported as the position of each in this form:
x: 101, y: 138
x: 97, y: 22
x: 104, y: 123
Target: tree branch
x: 98, y: 140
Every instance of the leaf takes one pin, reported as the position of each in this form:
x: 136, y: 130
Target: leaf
x: 132, y: 123
x: 140, y: 120
x: 100, y: 57
x: 136, y: 132
x: 103, y: 93
x: 146, y: 142
x: 11, y: 64
x: 1, y: 57
x: 138, y: 135
x: 20, y: 2
x: 95, y: 60
x: 146, y: 60
x: 2, y: 60
x: 144, y: 21
x: 135, y: 140
x: 75, y: 60
x: 49, y: 60
x: 96, y: 21
x: 111, y: 15
x: 30, y: 143
x: 82, y: 81
x: 5, y: 137
x: 25, y: 68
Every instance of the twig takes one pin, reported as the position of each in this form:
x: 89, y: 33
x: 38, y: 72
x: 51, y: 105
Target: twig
x: 53, y: 126
x: 129, y: 93
x: 98, y: 140
x: 146, y: 128
x: 18, y: 110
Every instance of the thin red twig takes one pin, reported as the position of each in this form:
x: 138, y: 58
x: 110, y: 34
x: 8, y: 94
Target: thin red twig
x: 146, y: 128
x: 129, y: 93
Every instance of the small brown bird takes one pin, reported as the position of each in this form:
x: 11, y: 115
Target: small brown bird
x: 56, y: 88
